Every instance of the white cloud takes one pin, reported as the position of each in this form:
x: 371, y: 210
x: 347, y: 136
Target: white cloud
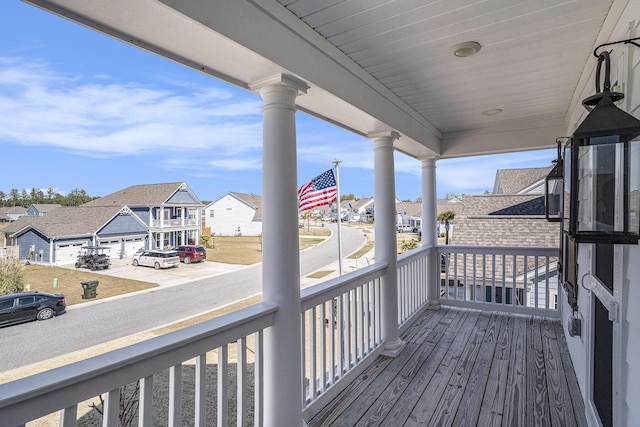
x: 97, y: 119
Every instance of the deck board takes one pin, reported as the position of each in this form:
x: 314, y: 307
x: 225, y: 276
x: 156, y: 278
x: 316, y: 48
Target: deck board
x: 465, y: 367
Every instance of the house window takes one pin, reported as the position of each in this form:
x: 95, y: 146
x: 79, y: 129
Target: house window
x: 211, y: 214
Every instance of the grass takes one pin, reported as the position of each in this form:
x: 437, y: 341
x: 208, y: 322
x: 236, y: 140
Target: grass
x: 320, y: 274
x: 41, y: 278
x: 247, y: 250
x: 242, y: 250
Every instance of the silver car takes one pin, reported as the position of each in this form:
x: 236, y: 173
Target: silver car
x: 156, y: 258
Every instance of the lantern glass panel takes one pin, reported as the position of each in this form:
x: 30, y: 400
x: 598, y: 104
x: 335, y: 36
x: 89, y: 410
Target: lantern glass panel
x: 634, y: 187
x: 568, y: 174
x: 600, y: 185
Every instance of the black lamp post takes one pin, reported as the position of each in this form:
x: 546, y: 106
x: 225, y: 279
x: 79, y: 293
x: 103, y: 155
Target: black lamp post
x: 602, y: 171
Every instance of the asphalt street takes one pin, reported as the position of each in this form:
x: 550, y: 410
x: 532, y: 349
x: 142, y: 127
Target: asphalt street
x: 88, y: 324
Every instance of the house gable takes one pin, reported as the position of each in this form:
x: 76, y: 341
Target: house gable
x: 124, y: 223
x: 183, y: 196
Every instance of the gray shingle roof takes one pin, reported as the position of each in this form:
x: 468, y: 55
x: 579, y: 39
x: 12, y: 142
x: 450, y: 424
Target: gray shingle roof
x: 498, y: 204
x: 66, y: 221
x: 139, y: 195
x: 45, y: 207
x: 512, y: 181
x: 505, y: 220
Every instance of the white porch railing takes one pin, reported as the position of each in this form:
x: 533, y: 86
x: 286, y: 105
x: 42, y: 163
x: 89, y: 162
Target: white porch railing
x: 342, y: 335
x: 178, y: 222
x: 341, y: 327
x: 412, y: 284
x: 514, y: 279
x: 64, y: 388
x: 342, y: 324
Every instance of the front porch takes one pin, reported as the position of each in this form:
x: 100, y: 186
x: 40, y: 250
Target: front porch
x: 478, y: 358
x: 466, y: 367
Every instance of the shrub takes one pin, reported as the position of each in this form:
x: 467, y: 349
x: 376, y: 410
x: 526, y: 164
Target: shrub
x: 11, y: 277
x: 406, y: 246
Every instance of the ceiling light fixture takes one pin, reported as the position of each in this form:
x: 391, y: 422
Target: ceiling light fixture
x: 492, y: 112
x: 462, y: 50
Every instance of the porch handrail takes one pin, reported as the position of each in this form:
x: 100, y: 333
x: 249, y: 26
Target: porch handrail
x: 30, y: 398
x: 506, y: 278
x: 325, y: 291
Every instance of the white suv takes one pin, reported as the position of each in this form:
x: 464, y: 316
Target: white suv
x: 404, y: 228
x: 156, y: 258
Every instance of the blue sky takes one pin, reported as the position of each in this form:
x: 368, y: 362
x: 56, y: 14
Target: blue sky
x: 81, y: 110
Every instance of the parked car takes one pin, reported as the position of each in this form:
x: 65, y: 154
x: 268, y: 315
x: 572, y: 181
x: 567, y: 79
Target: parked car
x: 192, y: 253
x: 404, y: 228
x: 26, y: 306
x: 156, y: 258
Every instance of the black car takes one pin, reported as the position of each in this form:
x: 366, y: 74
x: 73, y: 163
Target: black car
x: 25, y: 306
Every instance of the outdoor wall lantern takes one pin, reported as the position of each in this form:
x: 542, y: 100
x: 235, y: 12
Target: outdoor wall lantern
x: 602, y: 171
x: 554, y: 186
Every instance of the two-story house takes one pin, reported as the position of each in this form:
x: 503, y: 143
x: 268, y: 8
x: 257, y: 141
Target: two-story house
x: 141, y: 216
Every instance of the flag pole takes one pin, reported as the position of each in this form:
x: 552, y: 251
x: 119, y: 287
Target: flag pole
x: 336, y: 162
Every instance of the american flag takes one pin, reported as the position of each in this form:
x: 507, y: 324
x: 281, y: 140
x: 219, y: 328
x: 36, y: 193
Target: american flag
x: 320, y: 191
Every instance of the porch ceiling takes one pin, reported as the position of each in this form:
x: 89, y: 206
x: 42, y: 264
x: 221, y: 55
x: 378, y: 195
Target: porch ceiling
x: 377, y: 65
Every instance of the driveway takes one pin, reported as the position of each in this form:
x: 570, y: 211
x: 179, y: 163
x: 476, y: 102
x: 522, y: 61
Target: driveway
x: 184, y: 273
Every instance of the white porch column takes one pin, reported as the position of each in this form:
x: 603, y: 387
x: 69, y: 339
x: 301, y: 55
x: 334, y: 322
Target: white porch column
x: 429, y: 232
x: 280, y: 252
x: 385, y: 238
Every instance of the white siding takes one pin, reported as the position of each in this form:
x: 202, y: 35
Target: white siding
x: 229, y: 214
x: 625, y: 69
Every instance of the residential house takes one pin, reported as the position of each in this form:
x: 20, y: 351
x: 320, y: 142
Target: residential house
x: 9, y: 214
x: 41, y: 209
x: 360, y: 210
x: 140, y: 216
x: 56, y: 238
x: 234, y: 214
x: 433, y: 81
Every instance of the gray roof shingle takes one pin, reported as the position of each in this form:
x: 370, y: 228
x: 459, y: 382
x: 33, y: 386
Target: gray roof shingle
x: 66, y: 221
x: 139, y: 195
x: 513, y: 181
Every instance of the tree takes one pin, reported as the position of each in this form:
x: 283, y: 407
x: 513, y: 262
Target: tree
x: 349, y: 196
x: 77, y: 197
x: 446, y: 217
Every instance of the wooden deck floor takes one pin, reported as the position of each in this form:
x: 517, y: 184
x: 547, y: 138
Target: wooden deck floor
x: 467, y: 368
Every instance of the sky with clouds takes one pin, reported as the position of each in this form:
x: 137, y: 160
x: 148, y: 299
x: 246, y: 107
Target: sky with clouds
x: 81, y: 110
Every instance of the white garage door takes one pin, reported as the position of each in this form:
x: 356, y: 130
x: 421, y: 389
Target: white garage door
x: 131, y: 246
x: 67, y: 253
x: 111, y: 248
